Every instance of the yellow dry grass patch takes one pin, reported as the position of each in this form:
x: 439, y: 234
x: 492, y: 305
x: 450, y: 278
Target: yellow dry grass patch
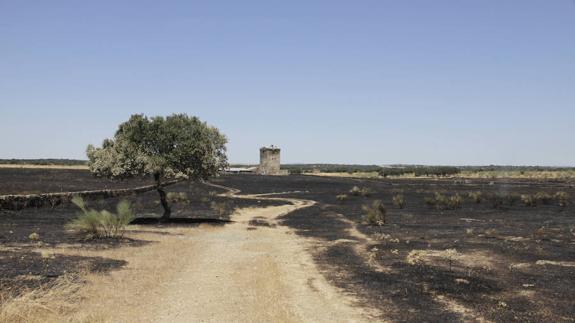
x: 104, y: 297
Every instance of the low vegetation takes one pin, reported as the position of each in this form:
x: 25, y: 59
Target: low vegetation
x: 399, y: 201
x: 360, y: 191
x: 562, y: 198
x: 102, y: 224
x: 476, y: 197
x: 375, y: 213
x: 444, y: 202
x: 342, y: 197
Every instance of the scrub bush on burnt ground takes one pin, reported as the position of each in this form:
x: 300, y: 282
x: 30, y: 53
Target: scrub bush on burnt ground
x: 562, y: 198
x: 476, y: 197
x: 102, y: 224
x: 399, y: 201
x: 441, y: 201
x: 544, y: 198
x: 375, y: 213
x: 360, y: 191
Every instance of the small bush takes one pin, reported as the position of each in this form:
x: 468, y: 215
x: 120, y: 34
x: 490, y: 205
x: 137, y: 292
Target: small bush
x: 375, y: 214
x: 476, y: 197
x: 528, y: 200
x: 178, y: 197
x: 444, y: 202
x: 454, y: 202
x: 102, y: 224
x: 342, y: 197
x: 544, y: 198
x: 562, y: 198
x: 399, y: 201
x: 357, y: 191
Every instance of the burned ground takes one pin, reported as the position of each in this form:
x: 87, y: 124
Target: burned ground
x: 21, y: 266
x: 484, y: 260
x: 22, y: 181
x: 498, y: 260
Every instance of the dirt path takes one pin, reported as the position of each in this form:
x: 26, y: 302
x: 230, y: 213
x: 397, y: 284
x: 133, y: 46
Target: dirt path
x: 247, y: 273
x: 252, y: 270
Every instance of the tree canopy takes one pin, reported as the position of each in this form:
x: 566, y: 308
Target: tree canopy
x: 177, y: 146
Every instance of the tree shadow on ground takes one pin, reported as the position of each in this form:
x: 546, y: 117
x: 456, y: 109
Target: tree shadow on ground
x: 180, y: 221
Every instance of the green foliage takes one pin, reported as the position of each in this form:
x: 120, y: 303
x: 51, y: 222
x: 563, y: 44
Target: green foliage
x: 562, y: 198
x: 360, y: 191
x: 529, y: 200
x: 44, y: 162
x: 167, y: 147
x: 399, y: 201
x: 444, y: 202
x: 543, y: 198
x: 330, y: 168
x: 476, y: 197
x: 419, y: 171
x: 102, y: 224
x: 375, y: 214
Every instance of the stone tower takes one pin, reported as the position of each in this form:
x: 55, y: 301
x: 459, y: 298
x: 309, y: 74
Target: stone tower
x: 270, y: 162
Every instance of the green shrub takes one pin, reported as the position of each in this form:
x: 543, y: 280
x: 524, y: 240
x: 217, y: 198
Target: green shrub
x: 443, y: 202
x: 528, y: 200
x: 101, y: 224
x: 399, y: 201
x: 562, y: 198
x: 357, y: 191
x: 375, y: 214
x: 543, y: 198
x: 476, y: 197
x: 454, y: 202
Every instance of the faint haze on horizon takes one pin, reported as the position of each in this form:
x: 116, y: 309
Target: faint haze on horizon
x: 363, y: 82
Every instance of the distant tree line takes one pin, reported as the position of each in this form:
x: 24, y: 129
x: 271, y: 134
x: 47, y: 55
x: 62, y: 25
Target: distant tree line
x: 330, y: 168
x: 43, y: 162
x: 419, y: 171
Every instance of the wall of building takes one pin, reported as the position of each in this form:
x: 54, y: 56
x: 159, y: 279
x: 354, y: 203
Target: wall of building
x: 270, y: 162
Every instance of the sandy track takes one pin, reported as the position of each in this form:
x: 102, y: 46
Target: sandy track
x: 235, y: 273
x: 263, y: 274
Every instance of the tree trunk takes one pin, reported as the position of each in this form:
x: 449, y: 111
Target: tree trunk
x: 163, y: 198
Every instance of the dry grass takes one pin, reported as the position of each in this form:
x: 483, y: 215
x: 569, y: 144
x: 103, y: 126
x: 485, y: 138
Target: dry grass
x: 105, y: 297
x: 46, y: 304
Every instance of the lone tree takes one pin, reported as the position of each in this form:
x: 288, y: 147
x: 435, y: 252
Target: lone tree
x: 174, y: 147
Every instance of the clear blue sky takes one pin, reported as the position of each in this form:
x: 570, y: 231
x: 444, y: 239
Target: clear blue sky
x: 381, y: 81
